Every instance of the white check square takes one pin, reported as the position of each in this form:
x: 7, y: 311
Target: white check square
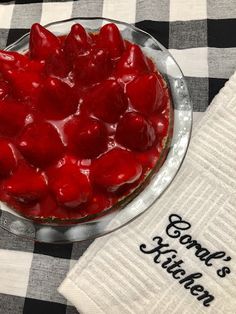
x: 185, y: 10
x: 193, y: 62
x: 14, y: 272
x: 53, y: 11
x: 6, y: 15
x: 122, y: 10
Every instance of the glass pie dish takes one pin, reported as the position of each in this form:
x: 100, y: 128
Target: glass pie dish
x: 160, y: 176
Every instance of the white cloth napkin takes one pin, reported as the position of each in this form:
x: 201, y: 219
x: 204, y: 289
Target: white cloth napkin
x: 180, y: 256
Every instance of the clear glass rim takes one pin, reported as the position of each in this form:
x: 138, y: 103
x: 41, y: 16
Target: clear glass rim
x: 33, y: 227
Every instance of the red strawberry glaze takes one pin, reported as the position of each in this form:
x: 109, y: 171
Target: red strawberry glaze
x: 84, y: 119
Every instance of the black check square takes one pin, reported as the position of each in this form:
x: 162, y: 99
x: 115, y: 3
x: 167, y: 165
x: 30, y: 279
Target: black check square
x: 71, y: 310
x: 220, y: 33
x: 159, y: 30
x: 54, y: 250
x: 15, y: 34
x: 34, y: 306
x: 215, y: 84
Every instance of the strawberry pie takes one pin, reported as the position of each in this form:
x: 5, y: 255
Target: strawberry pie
x: 84, y: 120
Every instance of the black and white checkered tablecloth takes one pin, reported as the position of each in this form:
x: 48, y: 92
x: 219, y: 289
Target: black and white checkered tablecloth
x: 200, y: 35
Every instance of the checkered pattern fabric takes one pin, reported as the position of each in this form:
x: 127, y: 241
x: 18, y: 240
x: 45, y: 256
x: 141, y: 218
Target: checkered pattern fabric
x: 200, y: 36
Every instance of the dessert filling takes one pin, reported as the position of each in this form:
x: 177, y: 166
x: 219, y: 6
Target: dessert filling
x: 84, y: 119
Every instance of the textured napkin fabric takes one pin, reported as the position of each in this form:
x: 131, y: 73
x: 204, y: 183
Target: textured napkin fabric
x: 180, y: 256
x: 199, y: 34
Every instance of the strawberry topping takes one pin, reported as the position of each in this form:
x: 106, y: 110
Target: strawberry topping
x: 84, y: 118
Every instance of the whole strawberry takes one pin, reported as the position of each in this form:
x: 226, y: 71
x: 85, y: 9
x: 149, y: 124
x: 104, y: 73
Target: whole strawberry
x: 135, y: 132
x: 12, y: 117
x: 27, y: 185
x: 110, y: 38
x: 86, y: 137
x: 77, y: 42
x: 107, y: 101
x: 131, y: 64
x: 57, y: 100
x: 42, y: 42
x: 68, y: 184
x: 145, y: 93
x: 40, y: 144
x: 115, y: 169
